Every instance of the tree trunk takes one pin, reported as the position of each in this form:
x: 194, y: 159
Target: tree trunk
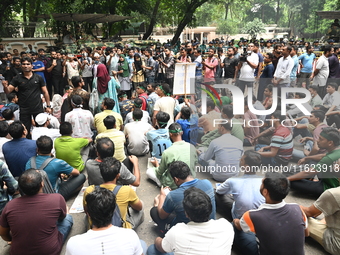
x: 226, y: 5
x: 187, y: 18
x: 152, y: 21
x: 277, y: 12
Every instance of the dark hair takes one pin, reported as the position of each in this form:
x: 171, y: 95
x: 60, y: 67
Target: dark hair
x: 109, y: 121
x: 26, y: 59
x: 186, y: 112
x: 162, y: 119
x: 76, y: 101
x: 30, y: 182
x: 109, y: 103
x: 309, y: 47
x: 228, y: 110
x: 199, y: 50
x: 65, y: 128
x: 3, y: 128
x: 252, y: 158
x: 16, y: 129
x: 333, y: 85
x: 7, y: 114
x: 210, y: 104
x: 301, y: 95
x: 270, y: 87
x: 295, y: 48
x: 109, y: 168
x: 138, y: 103
x: 333, y: 133
x: 44, y: 144
x: 179, y: 169
x: 67, y: 87
x: 277, y: 185
x: 175, y: 126
x: 166, y: 88
x: 75, y: 81
x: 289, y: 48
x: 23, y: 53
x: 16, y: 58
x: 327, y: 49
x: 100, y: 204
x: 314, y: 87
x: 153, y: 85
x: 137, y: 114
x: 276, y: 46
x: 105, y: 147
x: 197, y: 205
x: 11, y: 96
x: 270, y: 55
x: 227, y: 126
x: 277, y: 115
x: 319, y: 114
x: 321, y: 108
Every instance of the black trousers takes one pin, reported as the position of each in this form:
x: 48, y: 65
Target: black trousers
x: 163, y: 225
x: 26, y: 119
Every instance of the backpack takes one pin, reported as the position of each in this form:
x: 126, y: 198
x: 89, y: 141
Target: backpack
x: 149, y: 105
x: 117, y: 219
x: 48, y: 188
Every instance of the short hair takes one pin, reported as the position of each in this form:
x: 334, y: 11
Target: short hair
x: 197, y: 205
x: 179, y: 169
x: 295, y: 48
x: 228, y: 110
x: 7, y: 114
x: 227, y: 126
x: 137, y: 114
x: 270, y: 87
x: 75, y: 81
x: 270, y: 55
x: 153, y: 85
x: 301, y: 95
x: 186, y: 112
x: 138, y: 103
x: 252, y: 158
x: 308, y: 47
x: 332, y: 133
x: 11, y: 96
x: 16, y: 58
x: 100, y: 205
x: 3, y: 128
x: 44, y: 144
x: 327, y: 49
x: 289, y: 48
x: 199, y: 50
x: 65, y: 128
x: 276, y: 46
x: 321, y: 108
x: 175, y: 127
x: 26, y: 59
x: 333, y: 85
x: 30, y: 182
x: 277, y: 185
x: 166, y: 88
x: 319, y: 114
x: 277, y: 115
x: 162, y: 119
x: 76, y: 101
x: 23, y: 53
x: 109, y: 103
x: 109, y: 168
x: 16, y: 129
x: 314, y: 87
x: 109, y: 121
x: 211, y: 104
x: 105, y: 147
x: 67, y: 87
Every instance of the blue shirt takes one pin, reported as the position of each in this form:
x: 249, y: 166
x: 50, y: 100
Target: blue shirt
x: 268, y: 72
x: 293, y: 74
x: 174, y: 200
x: 17, y: 152
x: 260, y: 61
x: 160, y: 140
x: 8, y: 179
x: 53, y: 169
x: 245, y: 191
x: 307, y: 62
x: 39, y: 64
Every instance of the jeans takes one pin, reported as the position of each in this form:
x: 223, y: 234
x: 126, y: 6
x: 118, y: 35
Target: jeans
x: 242, y: 84
x: 153, y: 251
x: 297, y: 154
x: 150, y: 79
x: 71, y: 186
x: 64, y: 226
x: 245, y: 242
x: 163, y: 225
x: 88, y: 83
x: 303, y: 131
x: 272, y: 161
x: 144, y: 246
x: 308, y: 187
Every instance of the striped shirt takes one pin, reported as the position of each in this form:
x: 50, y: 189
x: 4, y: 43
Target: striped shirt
x: 283, y: 139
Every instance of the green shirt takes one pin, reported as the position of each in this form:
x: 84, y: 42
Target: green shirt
x: 68, y: 149
x: 327, y: 168
x: 178, y: 151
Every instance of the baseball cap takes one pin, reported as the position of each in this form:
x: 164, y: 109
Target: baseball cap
x: 41, y: 118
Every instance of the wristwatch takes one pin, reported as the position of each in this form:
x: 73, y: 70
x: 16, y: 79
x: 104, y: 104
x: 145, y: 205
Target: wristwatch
x: 48, y: 106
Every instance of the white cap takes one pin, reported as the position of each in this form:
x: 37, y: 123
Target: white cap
x: 41, y: 119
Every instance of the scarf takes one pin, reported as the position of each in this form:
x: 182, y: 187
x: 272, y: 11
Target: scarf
x: 103, y: 78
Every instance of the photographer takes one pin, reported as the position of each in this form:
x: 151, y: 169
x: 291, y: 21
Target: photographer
x: 249, y: 61
x: 169, y: 64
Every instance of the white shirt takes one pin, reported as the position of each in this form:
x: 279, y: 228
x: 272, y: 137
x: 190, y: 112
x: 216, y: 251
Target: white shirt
x: 166, y: 104
x: 81, y: 121
x: 323, y: 66
x: 135, y: 132
x: 40, y: 131
x: 145, y: 118
x: 332, y: 99
x: 247, y: 72
x: 72, y: 69
x: 283, y: 69
x: 207, y: 238
x: 113, y: 240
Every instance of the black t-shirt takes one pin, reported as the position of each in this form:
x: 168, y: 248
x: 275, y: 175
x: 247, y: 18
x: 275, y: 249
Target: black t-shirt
x: 230, y: 65
x: 29, y: 91
x: 58, y: 69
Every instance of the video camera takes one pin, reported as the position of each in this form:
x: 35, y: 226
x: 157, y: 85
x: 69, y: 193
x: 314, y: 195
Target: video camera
x: 244, y: 55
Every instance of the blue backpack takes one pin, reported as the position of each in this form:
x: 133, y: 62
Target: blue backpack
x: 149, y: 105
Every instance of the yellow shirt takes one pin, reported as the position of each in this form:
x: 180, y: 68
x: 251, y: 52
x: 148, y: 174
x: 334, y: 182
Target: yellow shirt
x: 118, y: 139
x: 99, y: 118
x: 125, y: 196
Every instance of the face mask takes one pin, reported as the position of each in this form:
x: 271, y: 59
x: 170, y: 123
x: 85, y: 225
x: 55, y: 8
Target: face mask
x: 96, y: 62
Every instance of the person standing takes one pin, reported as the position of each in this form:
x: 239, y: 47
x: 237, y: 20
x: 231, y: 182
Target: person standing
x: 30, y: 86
x: 306, y: 61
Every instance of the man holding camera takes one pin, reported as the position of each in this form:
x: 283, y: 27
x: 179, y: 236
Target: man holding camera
x: 249, y: 61
x: 169, y: 64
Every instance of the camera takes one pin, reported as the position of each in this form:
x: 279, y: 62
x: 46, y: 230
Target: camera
x: 244, y: 55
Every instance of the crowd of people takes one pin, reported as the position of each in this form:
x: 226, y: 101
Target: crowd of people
x: 70, y: 118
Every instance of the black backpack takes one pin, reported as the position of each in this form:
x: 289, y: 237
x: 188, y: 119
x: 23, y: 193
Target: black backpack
x: 48, y: 188
x: 117, y: 219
